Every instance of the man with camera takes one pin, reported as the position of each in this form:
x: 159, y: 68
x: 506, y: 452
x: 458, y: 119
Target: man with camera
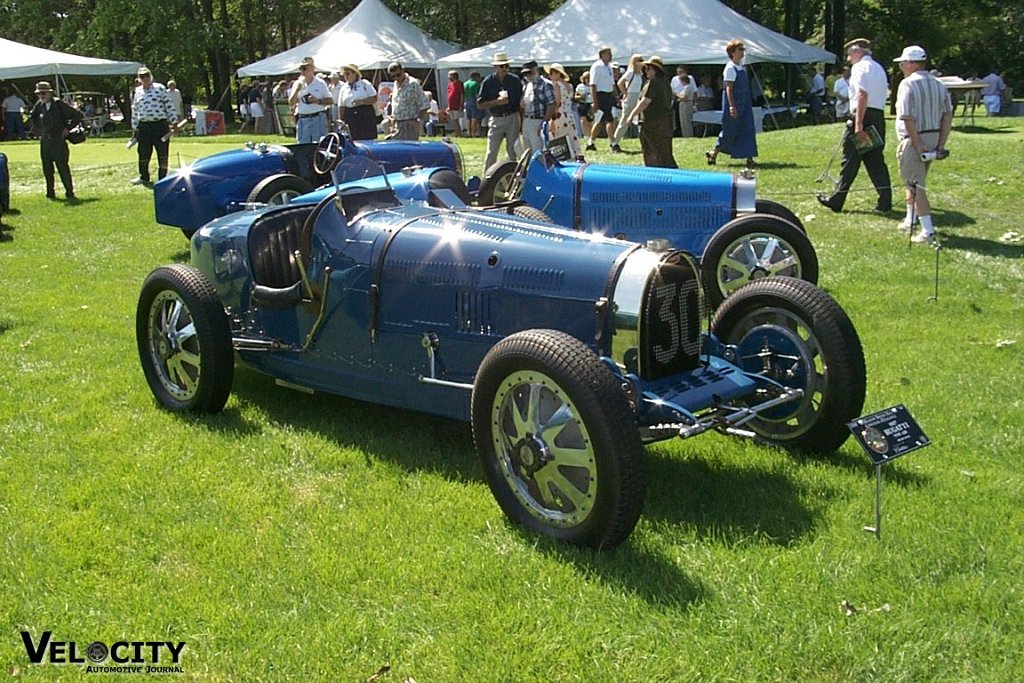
x: 52, y: 119
x: 310, y: 100
x: 923, y: 121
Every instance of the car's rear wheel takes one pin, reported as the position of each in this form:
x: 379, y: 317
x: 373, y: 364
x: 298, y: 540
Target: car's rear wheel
x: 557, y: 439
x: 184, y: 340
x: 498, y: 184
x: 752, y: 247
x: 279, y: 189
x: 793, y: 333
x: 779, y: 211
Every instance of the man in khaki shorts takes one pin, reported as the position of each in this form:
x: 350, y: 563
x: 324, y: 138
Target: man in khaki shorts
x: 923, y: 120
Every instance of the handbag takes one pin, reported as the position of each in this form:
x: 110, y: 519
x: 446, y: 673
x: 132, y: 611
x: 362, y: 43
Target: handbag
x: 77, y: 134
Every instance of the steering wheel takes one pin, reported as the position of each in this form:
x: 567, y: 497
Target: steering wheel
x: 327, y: 154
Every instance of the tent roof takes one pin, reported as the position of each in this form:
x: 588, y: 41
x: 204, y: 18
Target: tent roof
x: 371, y: 36
x: 678, y: 31
x: 28, y: 61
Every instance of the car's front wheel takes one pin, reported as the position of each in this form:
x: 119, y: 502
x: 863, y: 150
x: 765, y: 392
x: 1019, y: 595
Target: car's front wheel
x: 791, y: 332
x: 752, y: 247
x: 184, y: 340
x: 557, y: 439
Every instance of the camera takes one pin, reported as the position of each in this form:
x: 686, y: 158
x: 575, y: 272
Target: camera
x: 934, y: 155
x: 308, y: 98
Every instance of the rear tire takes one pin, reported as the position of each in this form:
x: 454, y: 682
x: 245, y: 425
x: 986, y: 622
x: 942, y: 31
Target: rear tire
x: 279, y: 189
x: 792, y: 332
x: 752, y: 247
x: 779, y: 211
x: 531, y: 213
x: 497, y: 184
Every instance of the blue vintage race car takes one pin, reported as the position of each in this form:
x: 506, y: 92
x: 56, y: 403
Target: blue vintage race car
x: 715, y: 216
x: 565, y: 350
x: 274, y: 174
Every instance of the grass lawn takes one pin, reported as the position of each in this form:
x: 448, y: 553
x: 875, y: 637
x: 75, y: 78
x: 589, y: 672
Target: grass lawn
x: 297, y: 537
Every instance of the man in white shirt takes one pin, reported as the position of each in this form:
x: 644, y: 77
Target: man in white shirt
x: 310, y: 99
x: 869, y: 87
x: 841, y: 89
x: 684, y: 88
x: 629, y: 89
x: 602, y: 89
x: 14, y: 108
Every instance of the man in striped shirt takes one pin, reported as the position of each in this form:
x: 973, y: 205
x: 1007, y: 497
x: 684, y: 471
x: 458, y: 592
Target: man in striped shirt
x: 923, y: 120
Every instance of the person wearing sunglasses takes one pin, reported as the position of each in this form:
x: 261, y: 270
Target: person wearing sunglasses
x: 310, y: 99
x: 409, y: 104
x: 737, y: 137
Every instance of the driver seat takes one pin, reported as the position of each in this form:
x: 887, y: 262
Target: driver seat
x: 273, y: 240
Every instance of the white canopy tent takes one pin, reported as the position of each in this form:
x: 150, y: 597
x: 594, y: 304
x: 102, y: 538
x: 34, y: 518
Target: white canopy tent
x: 27, y: 61
x: 371, y: 36
x: 678, y: 31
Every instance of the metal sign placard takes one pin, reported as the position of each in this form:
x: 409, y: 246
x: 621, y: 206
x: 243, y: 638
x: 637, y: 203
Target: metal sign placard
x: 888, y: 434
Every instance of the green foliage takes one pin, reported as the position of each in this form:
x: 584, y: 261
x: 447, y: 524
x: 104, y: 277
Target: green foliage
x: 200, y: 43
x: 297, y: 537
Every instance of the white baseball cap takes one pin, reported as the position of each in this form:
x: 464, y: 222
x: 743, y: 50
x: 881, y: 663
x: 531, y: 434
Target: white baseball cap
x: 912, y: 53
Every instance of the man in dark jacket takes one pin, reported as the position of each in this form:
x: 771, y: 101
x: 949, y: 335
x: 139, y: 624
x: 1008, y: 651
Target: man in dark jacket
x: 51, y: 120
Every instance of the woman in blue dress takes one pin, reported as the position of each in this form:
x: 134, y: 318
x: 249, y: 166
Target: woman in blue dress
x: 737, y: 138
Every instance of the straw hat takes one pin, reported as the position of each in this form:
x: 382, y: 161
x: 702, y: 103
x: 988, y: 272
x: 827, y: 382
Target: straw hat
x: 307, y: 61
x: 500, y: 59
x: 354, y: 69
x: 557, y: 68
x: 43, y: 86
x: 656, y: 62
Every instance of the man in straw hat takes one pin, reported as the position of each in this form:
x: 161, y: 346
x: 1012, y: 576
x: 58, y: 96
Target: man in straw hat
x: 869, y: 87
x: 357, y: 98
x: 52, y: 119
x: 924, y: 117
x: 500, y: 95
x: 310, y: 100
x: 655, y: 106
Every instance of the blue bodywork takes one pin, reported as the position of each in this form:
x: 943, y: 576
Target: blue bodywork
x: 638, y: 203
x: 221, y: 183
x: 465, y: 277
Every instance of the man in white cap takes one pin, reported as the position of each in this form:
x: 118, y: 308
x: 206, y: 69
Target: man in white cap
x: 500, y: 95
x: 869, y: 87
x: 923, y: 119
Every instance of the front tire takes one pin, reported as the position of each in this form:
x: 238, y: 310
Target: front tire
x: 557, y: 439
x: 789, y: 331
x: 752, y: 247
x: 184, y: 340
